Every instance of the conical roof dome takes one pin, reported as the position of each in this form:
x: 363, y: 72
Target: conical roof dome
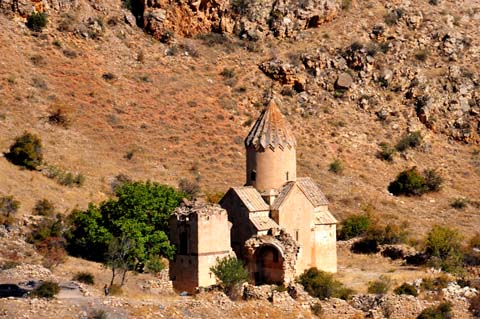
x: 271, y: 130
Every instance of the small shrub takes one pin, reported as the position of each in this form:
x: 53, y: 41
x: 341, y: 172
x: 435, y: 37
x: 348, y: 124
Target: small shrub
x: 26, y: 151
x: 393, y: 253
x: 59, y: 117
x: 388, y: 235
x: 115, y: 290
x: 118, y: 181
x: 365, y: 246
x: 320, y: 284
x: 155, y: 265
x: 433, y: 180
x: 8, y: 208
x: 386, y: 152
x: 109, y: 76
x: 394, y: 16
x: 214, y: 197
x: 228, y: 73
x: 442, y: 311
x: 421, y: 55
x: 48, y: 289
x: 354, y: 225
x: 443, y: 245
x: 44, y: 207
x: 85, y: 277
x: 379, y: 286
x: 459, y: 203
x: 336, y: 166
x: 411, y: 140
x: 435, y: 284
x: 190, y: 188
x: 409, y: 182
x: 346, y: 4
x: 230, y: 272
x: 37, y: 21
x: 406, y: 289
x: 317, y: 309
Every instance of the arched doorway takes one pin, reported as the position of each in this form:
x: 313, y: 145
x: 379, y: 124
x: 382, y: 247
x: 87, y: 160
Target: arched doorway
x: 268, y: 265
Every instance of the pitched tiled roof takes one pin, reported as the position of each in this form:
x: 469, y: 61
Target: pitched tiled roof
x: 251, y: 198
x: 307, y: 186
x: 282, y: 195
x: 311, y: 190
x: 324, y: 218
x: 263, y: 222
x: 270, y: 130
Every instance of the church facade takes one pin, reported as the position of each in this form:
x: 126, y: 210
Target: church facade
x: 279, y: 223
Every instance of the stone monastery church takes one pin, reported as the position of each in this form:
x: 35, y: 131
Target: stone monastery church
x: 277, y: 223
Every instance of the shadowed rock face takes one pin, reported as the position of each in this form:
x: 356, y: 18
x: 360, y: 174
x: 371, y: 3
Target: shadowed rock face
x: 249, y: 19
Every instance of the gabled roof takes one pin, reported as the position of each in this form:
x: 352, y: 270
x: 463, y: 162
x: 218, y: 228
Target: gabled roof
x: 263, y: 222
x: 270, y: 130
x: 323, y: 218
x: 307, y: 186
x: 312, y: 191
x: 251, y: 198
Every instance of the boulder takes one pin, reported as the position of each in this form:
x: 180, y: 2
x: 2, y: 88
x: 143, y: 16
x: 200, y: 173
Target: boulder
x: 344, y: 81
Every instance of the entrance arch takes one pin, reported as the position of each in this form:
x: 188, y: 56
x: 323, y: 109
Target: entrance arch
x: 268, y: 265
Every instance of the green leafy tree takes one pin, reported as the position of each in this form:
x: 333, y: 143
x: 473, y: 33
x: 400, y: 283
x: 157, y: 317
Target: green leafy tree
x: 26, y: 151
x: 355, y: 225
x: 230, y: 272
x: 443, y: 244
x: 125, y: 232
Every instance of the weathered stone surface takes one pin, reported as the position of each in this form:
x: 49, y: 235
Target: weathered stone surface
x: 249, y: 19
x: 344, y: 81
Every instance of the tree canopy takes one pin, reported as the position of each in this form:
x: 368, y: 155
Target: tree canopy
x: 139, y: 214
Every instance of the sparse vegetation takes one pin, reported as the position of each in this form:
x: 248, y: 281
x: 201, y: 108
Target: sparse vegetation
x: 336, y: 166
x: 394, y: 16
x: 59, y: 117
x: 317, y: 309
x: 435, y: 284
x: 459, y: 203
x: 411, y: 183
x: 406, y: 289
x: 410, y: 140
x: 48, y: 289
x: 155, y: 264
x: 26, y: 151
x: 44, y: 207
x: 320, y: 284
x: 230, y: 272
x: 37, y: 21
x: 8, y: 207
x: 380, y: 286
x: 188, y: 187
x: 442, y: 311
x: 85, y: 277
x: 386, y: 152
x: 63, y: 177
x: 354, y: 226
x: 443, y: 245
x: 421, y: 55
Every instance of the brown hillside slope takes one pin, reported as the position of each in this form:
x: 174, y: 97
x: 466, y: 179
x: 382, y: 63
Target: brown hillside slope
x: 182, y: 119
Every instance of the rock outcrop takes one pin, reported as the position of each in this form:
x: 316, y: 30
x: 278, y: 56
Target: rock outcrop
x: 248, y: 19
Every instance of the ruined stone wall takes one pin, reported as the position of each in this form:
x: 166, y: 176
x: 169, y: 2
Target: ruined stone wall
x: 296, y: 217
x: 206, y: 230
x: 271, y: 167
